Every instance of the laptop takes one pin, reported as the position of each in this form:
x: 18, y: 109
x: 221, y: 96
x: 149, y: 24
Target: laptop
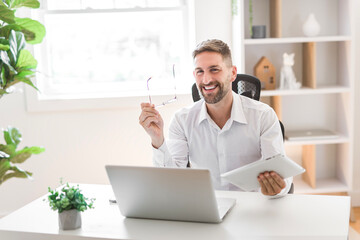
x: 310, y: 134
x: 179, y: 194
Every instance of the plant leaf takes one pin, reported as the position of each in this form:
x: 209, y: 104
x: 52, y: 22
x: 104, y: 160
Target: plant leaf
x: 6, y: 15
x: 24, y: 3
x: 4, y: 47
x: 4, y: 43
x: 20, y: 158
x: 17, y: 172
x: 33, y: 30
x: 22, y: 155
x: 4, y: 155
x: 2, y: 79
x: 26, y: 80
x: 24, y: 64
x: 17, y: 43
x: 26, y: 60
x: 12, y: 136
x: 25, y: 73
x: 4, y: 167
x: 5, y: 31
x: 6, y: 60
x: 8, y: 149
x: 34, y: 150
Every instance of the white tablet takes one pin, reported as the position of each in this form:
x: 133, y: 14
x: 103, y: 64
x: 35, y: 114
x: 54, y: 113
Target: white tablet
x: 246, y: 177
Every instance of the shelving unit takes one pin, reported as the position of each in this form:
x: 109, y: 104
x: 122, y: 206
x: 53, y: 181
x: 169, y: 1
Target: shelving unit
x: 324, y: 66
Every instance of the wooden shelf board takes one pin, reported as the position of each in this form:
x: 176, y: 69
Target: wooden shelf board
x: 337, y: 140
x: 296, y: 40
x: 306, y: 91
x: 330, y: 185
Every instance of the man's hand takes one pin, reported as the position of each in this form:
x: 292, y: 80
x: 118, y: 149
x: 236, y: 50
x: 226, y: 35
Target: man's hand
x: 153, y: 123
x: 271, y: 183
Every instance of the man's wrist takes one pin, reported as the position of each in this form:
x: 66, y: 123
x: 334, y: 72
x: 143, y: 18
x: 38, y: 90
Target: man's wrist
x: 157, y: 144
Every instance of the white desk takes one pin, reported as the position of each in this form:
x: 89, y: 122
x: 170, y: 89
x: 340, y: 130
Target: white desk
x: 253, y: 217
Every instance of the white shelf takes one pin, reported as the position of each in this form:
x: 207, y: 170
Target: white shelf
x: 337, y: 140
x: 306, y: 91
x: 327, y: 65
x: 296, y: 40
x: 330, y: 185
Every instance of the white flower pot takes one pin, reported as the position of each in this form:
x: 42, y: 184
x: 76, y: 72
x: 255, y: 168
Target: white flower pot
x: 69, y: 219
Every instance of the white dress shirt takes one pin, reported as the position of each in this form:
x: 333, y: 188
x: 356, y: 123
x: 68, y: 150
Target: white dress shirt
x: 251, y: 133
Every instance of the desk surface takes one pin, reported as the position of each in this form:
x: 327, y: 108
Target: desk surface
x: 253, y: 217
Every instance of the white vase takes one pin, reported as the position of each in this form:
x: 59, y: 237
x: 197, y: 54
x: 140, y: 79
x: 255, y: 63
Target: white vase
x: 69, y: 219
x: 311, y: 26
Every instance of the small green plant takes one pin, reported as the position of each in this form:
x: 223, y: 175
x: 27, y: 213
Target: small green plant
x: 69, y: 198
x: 10, y: 157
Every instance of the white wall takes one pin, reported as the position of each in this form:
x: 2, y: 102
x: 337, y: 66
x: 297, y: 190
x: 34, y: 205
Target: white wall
x: 79, y: 143
x: 356, y: 165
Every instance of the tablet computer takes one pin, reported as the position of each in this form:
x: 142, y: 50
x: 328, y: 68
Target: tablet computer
x: 245, y: 177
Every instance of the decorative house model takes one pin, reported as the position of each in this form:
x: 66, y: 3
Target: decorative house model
x: 265, y: 72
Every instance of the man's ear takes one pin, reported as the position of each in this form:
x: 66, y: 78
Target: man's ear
x: 233, y: 73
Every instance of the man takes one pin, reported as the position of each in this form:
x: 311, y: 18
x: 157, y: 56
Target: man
x: 221, y: 132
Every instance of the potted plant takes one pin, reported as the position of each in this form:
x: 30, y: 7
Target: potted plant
x: 16, y: 65
x: 10, y: 157
x: 69, y: 202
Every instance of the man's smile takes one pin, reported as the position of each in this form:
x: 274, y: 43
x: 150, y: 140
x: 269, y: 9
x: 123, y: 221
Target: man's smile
x: 209, y: 88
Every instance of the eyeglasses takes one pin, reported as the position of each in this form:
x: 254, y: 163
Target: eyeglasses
x: 174, y: 99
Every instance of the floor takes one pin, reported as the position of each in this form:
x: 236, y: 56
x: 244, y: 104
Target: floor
x: 356, y: 225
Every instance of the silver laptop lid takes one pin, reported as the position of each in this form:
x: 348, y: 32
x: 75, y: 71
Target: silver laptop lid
x: 164, y: 193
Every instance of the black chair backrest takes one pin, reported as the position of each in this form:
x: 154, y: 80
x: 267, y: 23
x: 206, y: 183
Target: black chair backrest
x: 247, y: 85
x: 195, y: 93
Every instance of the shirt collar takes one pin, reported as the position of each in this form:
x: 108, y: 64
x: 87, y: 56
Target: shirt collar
x: 237, y: 111
x: 203, y: 112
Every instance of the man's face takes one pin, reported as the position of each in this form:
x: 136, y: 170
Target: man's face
x: 213, y: 77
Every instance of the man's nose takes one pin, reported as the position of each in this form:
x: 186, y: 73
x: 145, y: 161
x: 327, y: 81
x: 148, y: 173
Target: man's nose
x: 206, y: 78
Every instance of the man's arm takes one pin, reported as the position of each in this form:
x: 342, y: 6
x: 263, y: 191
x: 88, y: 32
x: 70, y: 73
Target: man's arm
x: 152, y: 122
x: 170, y: 153
x: 272, y: 184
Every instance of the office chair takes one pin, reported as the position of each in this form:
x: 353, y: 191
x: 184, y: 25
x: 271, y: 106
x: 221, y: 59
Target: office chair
x: 248, y: 86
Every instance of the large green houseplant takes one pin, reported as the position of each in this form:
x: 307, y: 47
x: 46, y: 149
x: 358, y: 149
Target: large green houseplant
x: 16, y: 65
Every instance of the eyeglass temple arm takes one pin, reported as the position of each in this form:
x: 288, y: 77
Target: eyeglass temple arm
x: 174, y: 84
x: 147, y: 84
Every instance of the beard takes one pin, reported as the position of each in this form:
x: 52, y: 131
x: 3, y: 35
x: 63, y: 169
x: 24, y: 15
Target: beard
x: 212, y: 98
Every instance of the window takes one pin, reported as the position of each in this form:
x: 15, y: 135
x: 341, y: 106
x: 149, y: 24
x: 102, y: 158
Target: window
x: 109, y: 48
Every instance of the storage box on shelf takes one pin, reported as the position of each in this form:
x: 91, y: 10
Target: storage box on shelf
x: 323, y: 64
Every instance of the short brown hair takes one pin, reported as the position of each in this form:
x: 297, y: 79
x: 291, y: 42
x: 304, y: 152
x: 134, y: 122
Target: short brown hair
x: 214, y: 45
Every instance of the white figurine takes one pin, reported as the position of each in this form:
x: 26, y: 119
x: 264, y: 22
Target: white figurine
x: 287, y: 76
